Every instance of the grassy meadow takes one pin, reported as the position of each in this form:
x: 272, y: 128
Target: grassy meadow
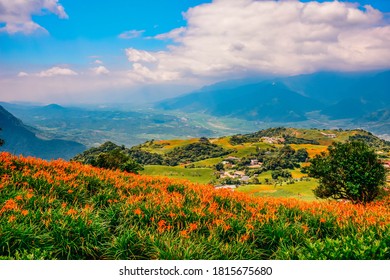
x: 66, y: 210
x: 197, y: 175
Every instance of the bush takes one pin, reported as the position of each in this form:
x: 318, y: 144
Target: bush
x: 117, y: 160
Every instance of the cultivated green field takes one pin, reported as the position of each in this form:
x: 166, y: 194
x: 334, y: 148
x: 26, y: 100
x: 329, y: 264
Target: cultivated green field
x: 300, y: 190
x: 197, y: 175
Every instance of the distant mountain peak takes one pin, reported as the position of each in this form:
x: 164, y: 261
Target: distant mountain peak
x: 54, y: 107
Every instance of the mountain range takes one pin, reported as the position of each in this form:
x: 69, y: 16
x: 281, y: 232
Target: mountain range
x: 22, y: 139
x: 360, y: 98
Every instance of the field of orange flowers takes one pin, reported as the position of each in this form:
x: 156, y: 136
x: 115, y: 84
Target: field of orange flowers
x: 65, y: 210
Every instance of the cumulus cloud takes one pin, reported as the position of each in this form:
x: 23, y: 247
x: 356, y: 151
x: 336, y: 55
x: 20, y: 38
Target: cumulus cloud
x: 100, y: 70
x: 134, y: 55
x: 143, y: 73
x: 22, y: 74
x: 17, y: 15
x: 173, y: 34
x: 131, y: 34
x: 56, y: 71
x: 232, y: 38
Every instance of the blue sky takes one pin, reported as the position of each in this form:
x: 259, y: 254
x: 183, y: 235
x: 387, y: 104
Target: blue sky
x: 56, y: 49
x: 93, y: 30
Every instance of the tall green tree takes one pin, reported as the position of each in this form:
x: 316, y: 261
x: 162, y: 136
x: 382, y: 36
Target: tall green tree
x: 349, y: 171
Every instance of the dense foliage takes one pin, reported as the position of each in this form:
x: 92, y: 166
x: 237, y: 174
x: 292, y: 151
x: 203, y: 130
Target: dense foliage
x: 270, y: 132
x: 110, y: 156
x: 182, y: 154
x: 282, y: 158
x: 349, y: 171
x: 194, y: 152
x: 371, y: 140
x: 116, y: 159
x: 281, y: 173
x: 135, y: 153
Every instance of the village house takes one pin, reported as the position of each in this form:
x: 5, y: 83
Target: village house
x: 329, y: 135
x: 245, y: 179
x: 273, y: 140
x: 238, y: 174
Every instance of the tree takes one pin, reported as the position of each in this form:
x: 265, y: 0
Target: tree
x: 275, y: 174
x: 349, y: 171
x: 115, y: 159
x: 131, y: 166
x: 219, y: 166
x: 301, y: 155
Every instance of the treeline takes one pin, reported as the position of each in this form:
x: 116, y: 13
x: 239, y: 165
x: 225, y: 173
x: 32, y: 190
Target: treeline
x: 285, y: 158
x: 371, y: 140
x: 275, y: 159
x: 280, y: 132
x: 112, y: 156
x: 194, y: 152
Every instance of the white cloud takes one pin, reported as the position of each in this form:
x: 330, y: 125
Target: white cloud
x: 131, y: 34
x: 22, y: 74
x: 100, y: 70
x: 97, y: 61
x: 143, y: 74
x: 233, y: 38
x: 134, y: 55
x: 17, y: 14
x: 56, y: 71
x: 173, y: 34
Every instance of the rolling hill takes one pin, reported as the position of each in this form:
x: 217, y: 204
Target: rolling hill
x: 22, y: 139
x: 193, y: 160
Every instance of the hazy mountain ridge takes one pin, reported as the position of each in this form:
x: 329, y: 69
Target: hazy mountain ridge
x: 358, y: 97
x: 277, y: 102
x: 93, y: 125
x: 22, y: 139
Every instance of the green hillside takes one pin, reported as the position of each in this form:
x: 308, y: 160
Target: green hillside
x: 264, y: 163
